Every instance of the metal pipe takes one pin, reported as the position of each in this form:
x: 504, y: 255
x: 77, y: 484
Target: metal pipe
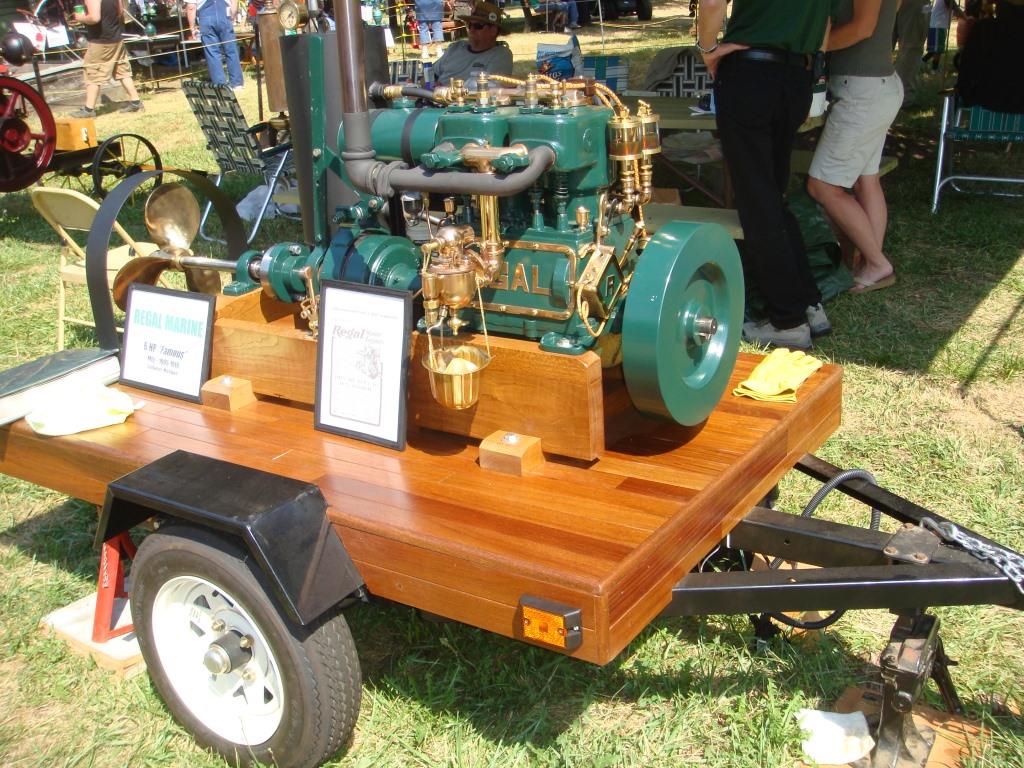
x: 469, y: 183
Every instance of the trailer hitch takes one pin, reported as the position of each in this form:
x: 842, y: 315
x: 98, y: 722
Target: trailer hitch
x: 928, y: 562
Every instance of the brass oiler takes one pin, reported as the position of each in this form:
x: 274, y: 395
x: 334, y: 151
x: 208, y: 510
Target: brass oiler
x: 450, y: 280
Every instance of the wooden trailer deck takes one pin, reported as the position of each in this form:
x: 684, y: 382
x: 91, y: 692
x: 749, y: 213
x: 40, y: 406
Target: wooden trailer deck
x: 429, y: 528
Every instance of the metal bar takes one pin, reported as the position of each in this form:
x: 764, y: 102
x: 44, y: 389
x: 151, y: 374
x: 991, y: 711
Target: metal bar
x: 896, y: 587
x: 821, y: 542
x: 807, y: 539
x: 878, y: 498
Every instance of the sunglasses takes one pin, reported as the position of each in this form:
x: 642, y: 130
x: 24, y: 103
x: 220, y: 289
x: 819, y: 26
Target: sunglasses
x: 478, y: 26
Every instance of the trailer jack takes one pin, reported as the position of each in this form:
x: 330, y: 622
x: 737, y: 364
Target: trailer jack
x: 927, y: 562
x: 914, y: 654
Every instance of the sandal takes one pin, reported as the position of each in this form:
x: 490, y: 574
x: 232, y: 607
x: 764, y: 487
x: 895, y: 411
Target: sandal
x: 866, y: 286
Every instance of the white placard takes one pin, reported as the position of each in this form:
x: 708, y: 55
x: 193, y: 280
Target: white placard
x: 362, y: 358
x: 167, y: 337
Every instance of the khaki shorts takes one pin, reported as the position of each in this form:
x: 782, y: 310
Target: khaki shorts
x: 106, y: 60
x: 854, y: 135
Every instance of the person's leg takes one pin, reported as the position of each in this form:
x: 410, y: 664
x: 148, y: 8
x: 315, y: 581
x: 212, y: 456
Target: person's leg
x: 747, y: 96
x: 234, y: 64
x: 210, y: 38
x: 911, y: 30
x: 123, y: 73
x: 849, y: 215
x: 92, y: 95
x: 869, y: 194
x: 574, y: 14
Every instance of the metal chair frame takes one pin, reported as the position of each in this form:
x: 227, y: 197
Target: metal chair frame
x: 234, y: 144
x: 973, y: 124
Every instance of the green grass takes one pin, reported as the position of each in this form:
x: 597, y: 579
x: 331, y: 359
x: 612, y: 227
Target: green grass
x: 933, y: 405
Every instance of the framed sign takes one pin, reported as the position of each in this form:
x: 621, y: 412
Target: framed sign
x: 167, y: 337
x: 362, y: 361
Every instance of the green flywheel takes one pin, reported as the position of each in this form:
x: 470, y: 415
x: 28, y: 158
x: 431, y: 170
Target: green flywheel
x: 682, y: 321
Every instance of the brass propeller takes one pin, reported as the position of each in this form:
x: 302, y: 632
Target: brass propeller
x: 172, y: 218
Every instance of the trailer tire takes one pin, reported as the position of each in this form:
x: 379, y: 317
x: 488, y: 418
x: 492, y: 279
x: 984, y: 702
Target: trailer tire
x: 286, y: 696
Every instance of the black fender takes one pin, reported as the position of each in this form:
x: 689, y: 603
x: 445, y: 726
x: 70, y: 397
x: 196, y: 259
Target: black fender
x: 281, y: 522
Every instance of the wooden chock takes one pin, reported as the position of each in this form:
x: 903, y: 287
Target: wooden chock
x: 228, y: 393
x: 511, y: 453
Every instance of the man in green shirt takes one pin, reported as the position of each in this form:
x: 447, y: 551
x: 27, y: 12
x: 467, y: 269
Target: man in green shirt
x: 763, y: 70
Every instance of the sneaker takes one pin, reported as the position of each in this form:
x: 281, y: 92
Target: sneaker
x: 764, y: 333
x: 237, y: 88
x: 133, y: 106
x: 83, y: 112
x: 818, y: 321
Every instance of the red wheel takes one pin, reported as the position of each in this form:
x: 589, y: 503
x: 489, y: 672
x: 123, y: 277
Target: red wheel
x: 27, y: 135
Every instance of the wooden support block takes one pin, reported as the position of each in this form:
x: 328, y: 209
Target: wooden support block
x: 511, y: 453
x: 73, y: 625
x: 228, y: 393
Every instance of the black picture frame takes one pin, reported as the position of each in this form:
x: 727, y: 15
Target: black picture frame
x: 351, y: 354
x: 202, y: 306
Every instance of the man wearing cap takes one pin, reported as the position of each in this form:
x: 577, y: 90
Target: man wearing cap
x: 480, y: 53
x: 763, y: 80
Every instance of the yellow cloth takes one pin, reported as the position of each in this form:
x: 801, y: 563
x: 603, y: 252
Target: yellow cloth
x: 777, y: 377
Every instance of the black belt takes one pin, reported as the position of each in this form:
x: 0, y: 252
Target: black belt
x: 802, y: 60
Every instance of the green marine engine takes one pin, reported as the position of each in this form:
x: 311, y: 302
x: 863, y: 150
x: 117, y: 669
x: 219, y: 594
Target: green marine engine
x: 515, y: 206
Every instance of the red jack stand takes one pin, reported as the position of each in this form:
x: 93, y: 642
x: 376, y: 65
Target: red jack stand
x: 111, y: 588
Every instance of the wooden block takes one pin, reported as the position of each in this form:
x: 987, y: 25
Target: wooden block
x: 75, y: 132
x: 73, y: 624
x: 228, y: 393
x: 511, y: 453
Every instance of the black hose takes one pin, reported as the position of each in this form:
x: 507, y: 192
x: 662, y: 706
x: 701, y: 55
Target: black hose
x: 809, y: 510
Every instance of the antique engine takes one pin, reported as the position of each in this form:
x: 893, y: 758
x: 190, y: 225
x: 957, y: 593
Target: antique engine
x: 514, y: 206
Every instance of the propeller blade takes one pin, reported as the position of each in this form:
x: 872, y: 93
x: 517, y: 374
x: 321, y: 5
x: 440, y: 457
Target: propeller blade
x: 141, y: 269
x: 172, y: 216
x: 202, y: 280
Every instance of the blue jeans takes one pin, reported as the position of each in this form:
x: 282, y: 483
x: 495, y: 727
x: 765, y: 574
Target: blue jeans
x: 218, y: 38
x: 431, y: 27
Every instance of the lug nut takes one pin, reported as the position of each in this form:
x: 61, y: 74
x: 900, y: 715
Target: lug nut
x: 217, y: 625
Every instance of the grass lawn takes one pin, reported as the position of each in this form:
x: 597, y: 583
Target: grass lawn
x: 933, y: 406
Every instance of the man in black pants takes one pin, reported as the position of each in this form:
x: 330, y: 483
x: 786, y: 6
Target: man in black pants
x: 763, y: 79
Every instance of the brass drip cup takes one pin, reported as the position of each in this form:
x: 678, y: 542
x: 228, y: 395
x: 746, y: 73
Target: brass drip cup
x: 455, y: 375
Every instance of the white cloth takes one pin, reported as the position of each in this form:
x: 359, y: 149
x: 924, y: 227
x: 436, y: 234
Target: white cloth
x: 833, y: 738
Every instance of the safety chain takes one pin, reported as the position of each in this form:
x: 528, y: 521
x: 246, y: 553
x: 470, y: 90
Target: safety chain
x: 1006, y: 560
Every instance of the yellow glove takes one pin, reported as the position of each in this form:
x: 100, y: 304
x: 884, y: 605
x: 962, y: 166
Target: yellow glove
x: 777, y: 377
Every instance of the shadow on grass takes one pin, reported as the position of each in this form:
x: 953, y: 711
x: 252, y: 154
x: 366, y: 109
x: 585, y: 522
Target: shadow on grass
x: 515, y: 693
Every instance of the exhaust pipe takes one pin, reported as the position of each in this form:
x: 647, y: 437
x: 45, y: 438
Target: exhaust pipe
x: 384, y: 179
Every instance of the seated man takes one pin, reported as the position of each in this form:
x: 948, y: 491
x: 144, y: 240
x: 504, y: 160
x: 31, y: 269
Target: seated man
x: 480, y: 53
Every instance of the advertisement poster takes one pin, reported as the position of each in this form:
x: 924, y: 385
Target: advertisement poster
x: 362, y: 360
x: 167, y: 337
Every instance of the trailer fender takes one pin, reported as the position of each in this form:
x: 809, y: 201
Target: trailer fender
x: 281, y: 522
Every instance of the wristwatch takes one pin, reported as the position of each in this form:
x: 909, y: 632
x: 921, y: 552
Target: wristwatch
x: 702, y: 49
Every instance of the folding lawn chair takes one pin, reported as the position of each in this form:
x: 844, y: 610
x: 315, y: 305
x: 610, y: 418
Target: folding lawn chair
x: 234, y: 144
x: 962, y: 124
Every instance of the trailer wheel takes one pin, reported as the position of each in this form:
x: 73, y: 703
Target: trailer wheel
x: 242, y: 677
